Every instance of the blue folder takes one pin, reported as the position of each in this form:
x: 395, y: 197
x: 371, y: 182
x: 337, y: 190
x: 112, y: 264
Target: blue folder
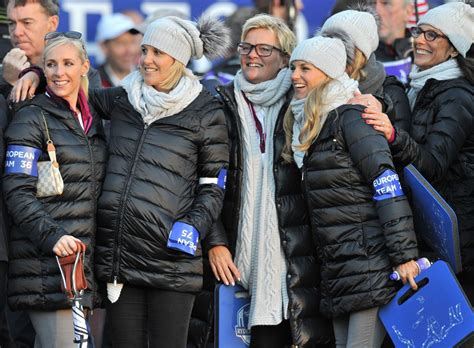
x: 435, y: 220
x: 437, y: 315
x: 232, y: 305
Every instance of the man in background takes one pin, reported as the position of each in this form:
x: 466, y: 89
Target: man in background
x: 116, y: 35
x: 395, y: 40
x: 28, y: 22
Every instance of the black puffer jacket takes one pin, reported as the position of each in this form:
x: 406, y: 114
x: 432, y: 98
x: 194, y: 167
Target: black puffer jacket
x: 38, y: 223
x: 308, y: 327
x: 441, y: 146
x: 358, y: 239
x: 152, y: 182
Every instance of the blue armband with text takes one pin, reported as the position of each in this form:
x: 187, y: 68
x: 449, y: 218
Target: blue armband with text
x: 183, y: 237
x: 22, y: 160
x: 387, y: 185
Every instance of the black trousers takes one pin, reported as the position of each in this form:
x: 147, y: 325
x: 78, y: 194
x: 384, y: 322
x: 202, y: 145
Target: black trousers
x: 147, y: 317
x: 271, y: 336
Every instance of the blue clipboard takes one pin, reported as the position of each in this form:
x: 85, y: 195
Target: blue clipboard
x: 435, y: 220
x: 232, y: 306
x: 437, y: 315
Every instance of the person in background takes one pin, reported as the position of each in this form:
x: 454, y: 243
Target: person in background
x: 29, y: 22
x: 357, y: 29
x: 137, y: 19
x: 395, y: 40
x: 46, y: 227
x: 287, y: 10
x: 223, y: 71
x: 361, y: 233
x: 440, y: 141
x: 264, y: 214
x: 116, y: 35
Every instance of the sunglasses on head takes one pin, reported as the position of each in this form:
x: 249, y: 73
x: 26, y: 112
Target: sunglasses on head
x: 69, y: 34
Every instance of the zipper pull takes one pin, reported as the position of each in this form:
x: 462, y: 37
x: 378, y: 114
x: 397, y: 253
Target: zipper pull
x: 334, y: 142
x: 115, y: 280
x: 146, y: 125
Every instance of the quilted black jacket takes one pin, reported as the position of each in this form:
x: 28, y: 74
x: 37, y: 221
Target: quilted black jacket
x: 440, y: 145
x: 152, y: 181
x: 358, y: 239
x: 38, y: 223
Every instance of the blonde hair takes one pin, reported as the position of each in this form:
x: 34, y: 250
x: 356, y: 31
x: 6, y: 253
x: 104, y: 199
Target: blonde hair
x: 315, y: 101
x: 286, y: 38
x: 177, y: 71
x: 355, y: 69
x: 81, y: 50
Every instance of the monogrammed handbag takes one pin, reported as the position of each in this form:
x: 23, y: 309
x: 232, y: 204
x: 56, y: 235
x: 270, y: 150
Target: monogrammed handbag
x: 50, y: 182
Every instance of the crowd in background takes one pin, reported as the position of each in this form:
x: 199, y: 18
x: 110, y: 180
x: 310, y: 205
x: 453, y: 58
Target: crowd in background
x: 304, y: 133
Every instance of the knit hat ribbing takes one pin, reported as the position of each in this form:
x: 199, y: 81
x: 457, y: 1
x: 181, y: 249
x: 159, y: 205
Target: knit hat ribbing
x: 326, y: 54
x: 360, y: 26
x: 183, y: 39
x: 456, y: 21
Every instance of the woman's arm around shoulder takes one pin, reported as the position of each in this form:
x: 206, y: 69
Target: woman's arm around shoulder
x: 453, y: 123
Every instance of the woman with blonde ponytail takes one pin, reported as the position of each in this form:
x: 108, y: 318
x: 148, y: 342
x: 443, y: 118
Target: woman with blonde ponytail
x: 361, y: 221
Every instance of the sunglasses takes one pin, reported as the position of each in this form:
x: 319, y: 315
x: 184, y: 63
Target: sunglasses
x: 69, y: 34
x: 430, y: 35
x: 262, y: 50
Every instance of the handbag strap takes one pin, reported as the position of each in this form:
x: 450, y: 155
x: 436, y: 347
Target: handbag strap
x: 50, y: 145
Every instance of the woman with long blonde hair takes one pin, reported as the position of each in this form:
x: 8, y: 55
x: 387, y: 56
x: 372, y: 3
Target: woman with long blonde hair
x: 360, y: 219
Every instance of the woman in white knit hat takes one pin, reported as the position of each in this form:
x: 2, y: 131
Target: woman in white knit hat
x: 164, y: 185
x: 361, y: 220
x: 440, y: 143
x: 358, y: 30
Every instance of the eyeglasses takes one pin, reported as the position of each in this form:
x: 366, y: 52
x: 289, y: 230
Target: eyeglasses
x: 430, y: 35
x: 262, y: 50
x: 69, y: 34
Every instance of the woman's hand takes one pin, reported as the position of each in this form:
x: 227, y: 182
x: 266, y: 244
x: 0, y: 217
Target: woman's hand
x: 408, y: 271
x: 25, y: 87
x: 379, y: 121
x: 222, y: 265
x: 68, y: 245
x: 367, y: 100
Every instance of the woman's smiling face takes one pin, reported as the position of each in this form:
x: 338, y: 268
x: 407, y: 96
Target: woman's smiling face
x: 431, y: 53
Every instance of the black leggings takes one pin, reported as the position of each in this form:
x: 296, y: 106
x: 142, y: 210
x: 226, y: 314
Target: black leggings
x: 271, y: 336
x: 146, y: 317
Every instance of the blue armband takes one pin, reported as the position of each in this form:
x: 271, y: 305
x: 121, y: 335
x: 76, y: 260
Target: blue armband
x: 387, y: 185
x: 183, y: 237
x: 219, y: 181
x: 22, y: 160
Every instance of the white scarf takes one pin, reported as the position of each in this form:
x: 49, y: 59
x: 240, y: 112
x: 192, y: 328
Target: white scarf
x: 338, y: 92
x: 152, y: 104
x: 259, y: 255
x: 445, y: 71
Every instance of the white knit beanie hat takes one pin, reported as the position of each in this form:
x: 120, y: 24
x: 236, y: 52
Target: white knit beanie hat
x: 183, y: 39
x: 456, y: 21
x: 326, y: 54
x: 360, y: 26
